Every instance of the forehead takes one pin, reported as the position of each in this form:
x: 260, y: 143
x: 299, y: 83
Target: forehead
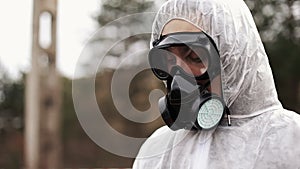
x: 179, y: 25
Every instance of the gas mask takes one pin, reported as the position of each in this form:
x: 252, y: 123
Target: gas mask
x: 189, y: 63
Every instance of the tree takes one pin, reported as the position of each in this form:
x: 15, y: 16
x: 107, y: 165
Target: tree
x: 279, y: 25
x: 11, y: 120
x: 124, y: 33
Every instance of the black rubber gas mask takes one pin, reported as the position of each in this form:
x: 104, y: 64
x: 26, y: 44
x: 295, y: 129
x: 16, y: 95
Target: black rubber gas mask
x: 189, y: 63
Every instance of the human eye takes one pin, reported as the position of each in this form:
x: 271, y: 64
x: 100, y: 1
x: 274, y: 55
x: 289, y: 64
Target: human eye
x: 194, y: 58
x: 197, y: 60
x: 185, y: 51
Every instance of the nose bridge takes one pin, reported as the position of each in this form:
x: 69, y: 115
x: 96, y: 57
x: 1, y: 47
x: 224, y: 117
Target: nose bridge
x: 182, y: 64
x: 179, y: 61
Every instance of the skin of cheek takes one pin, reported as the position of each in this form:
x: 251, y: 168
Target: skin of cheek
x: 215, y: 86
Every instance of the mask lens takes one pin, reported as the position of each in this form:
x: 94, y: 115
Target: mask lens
x: 159, y: 63
x: 193, y: 60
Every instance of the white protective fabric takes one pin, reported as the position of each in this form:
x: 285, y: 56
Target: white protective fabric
x: 263, y: 134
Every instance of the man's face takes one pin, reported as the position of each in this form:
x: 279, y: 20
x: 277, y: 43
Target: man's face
x: 193, y: 60
x: 177, y: 25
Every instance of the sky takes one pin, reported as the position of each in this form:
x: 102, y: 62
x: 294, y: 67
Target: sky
x: 75, y: 26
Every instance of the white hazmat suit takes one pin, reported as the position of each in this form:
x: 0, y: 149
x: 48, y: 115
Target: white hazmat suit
x: 263, y: 134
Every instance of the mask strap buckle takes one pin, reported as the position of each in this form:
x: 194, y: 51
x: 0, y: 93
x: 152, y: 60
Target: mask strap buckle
x: 228, y: 116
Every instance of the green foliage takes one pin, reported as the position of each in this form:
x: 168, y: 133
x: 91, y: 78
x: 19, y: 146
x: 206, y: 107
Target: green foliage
x: 11, y: 121
x: 140, y: 88
x: 121, y: 20
x: 276, y: 18
x: 12, y: 97
x: 285, y: 60
x: 279, y: 25
x: 12, y: 94
x: 114, y: 9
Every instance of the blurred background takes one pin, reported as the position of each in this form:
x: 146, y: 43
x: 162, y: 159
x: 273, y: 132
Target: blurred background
x: 278, y: 22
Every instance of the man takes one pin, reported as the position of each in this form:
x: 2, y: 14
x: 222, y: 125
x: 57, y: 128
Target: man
x: 226, y: 113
